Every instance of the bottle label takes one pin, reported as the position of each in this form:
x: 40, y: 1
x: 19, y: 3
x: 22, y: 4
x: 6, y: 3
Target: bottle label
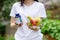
x: 18, y: 18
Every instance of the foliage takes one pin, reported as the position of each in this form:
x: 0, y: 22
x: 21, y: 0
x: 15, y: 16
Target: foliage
x: 10, y: 38
x: 56, y: 13
x: 7, y: 4
x: 51, y: 27
x: 2, y: 29
x: 48, y: 13
x: 7, y: 38
x: 0, y: 24
x: 53, y: 14
x: 1, y: 38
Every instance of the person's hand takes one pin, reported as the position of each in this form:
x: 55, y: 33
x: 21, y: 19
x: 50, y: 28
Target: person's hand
x: 33, y: 28
x: 19, y: 25
x: 16, y: 25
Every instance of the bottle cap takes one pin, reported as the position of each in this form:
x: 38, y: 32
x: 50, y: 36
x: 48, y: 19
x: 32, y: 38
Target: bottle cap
x: 17, y: 15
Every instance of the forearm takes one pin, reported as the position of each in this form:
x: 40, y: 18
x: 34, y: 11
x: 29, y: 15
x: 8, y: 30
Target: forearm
x: 12, y: 22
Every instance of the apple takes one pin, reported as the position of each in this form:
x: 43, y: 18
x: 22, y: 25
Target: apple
x: 38, y: 20
x: 34, y: 24
x: 34, y: 21
x: 31, y: 21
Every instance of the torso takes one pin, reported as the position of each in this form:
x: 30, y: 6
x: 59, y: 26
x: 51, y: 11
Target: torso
x: 25, y: 11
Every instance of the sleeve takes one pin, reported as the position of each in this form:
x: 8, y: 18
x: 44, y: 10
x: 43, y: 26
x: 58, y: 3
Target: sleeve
x: 42, y: 12
x: 13, y: 11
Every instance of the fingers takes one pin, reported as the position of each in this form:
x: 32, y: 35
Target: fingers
x: 19, y: 25
x: 35, y: 29
x: 32, y: 28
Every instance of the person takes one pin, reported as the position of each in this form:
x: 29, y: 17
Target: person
x: 26, y: 8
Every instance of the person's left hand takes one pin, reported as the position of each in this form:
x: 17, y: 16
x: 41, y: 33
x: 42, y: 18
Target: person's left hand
x: 33, y: 28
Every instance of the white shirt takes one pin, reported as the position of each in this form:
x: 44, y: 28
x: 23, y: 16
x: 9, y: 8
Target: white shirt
x: 34, y: 10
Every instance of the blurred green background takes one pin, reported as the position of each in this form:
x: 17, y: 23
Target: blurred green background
x: 50, y: 26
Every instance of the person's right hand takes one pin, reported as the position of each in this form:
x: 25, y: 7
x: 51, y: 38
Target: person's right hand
x: 19, y: 25
x: 16, y: 25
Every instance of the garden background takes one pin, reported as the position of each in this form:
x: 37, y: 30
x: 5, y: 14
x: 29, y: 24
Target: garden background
x: 50, y: 26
